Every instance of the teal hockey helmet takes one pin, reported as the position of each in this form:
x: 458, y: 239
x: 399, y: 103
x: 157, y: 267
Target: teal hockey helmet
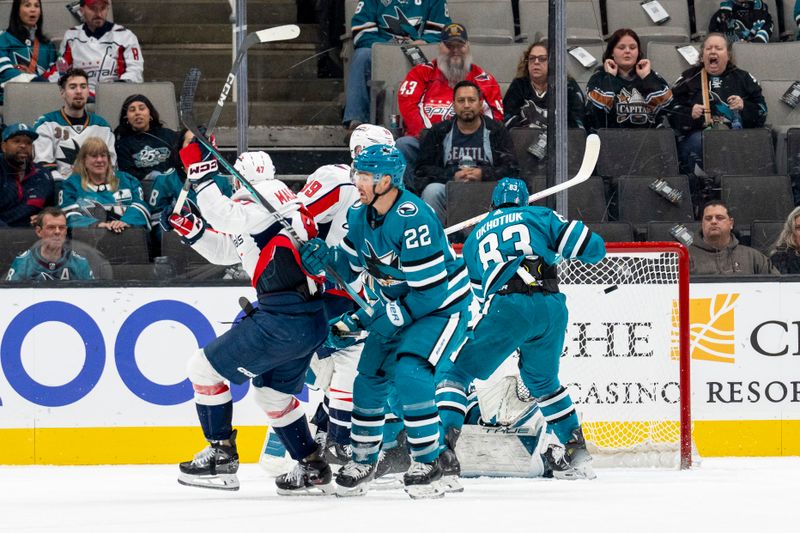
x: 382, y: 159
x: 510, y: 191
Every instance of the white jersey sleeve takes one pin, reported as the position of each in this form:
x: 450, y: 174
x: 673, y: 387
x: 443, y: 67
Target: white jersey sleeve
x: 328, y: 194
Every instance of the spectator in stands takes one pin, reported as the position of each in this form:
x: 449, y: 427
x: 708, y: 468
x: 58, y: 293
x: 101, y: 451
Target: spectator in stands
x: 785, y: 253
x: 468, y: 147
x: 63, y: 131
x: 626, y: 92
x: 525, y: 102
x: 50, y: 258
x: 716, y: 250
x: 426, y: 95
x: 386, y: 21
x: 734, y: 96
x: 26, y: 53
x: 143, y: 144
x: 107, y: 51
x: 742, y: 20
x: 95, y: 195
x: 24, y: 187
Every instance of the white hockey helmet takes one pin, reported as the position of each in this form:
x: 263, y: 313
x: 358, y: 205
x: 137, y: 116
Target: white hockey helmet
x: 369, y: 135
x: 255, y: 167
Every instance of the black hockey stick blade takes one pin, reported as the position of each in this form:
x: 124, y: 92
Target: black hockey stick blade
x: 186, y: 107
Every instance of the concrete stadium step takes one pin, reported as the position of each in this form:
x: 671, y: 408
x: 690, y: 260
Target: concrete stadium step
x: 210, y: 33
x: 276, y: 90
x: 129, y: 12
x: 165, y: 62
x: 276, y: 113
x: 300, y: 137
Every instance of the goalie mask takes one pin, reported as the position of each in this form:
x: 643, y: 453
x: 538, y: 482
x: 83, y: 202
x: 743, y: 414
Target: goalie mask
x: 255, y: 167
x: 368, y: 135
x: 510, y: 192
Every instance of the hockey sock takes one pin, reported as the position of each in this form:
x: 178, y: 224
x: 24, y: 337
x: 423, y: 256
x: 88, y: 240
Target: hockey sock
x: 216, y: 420
x: 452, y: 398
x: 559, y: 413
x: 473, y: 408
x: 320, y: 418
x: 340, y: 411
x: 416, y: 389
x: 391, y: 428
x: 291, y: 426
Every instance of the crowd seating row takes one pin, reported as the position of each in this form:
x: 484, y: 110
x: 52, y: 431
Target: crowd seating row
x: 57, y: 16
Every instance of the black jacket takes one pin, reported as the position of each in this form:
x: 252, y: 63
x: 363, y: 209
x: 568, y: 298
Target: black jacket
x: 734, y: 81
x: 523, y: 108
x: 139, y: 154
x: 19, y: 199
x: 430, y: 166
x: 750, y: 22
x: 616, y: 102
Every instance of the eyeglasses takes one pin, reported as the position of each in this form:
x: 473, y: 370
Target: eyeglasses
x: 537, y: 59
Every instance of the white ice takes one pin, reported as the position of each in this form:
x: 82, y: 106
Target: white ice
x: 722, y: 495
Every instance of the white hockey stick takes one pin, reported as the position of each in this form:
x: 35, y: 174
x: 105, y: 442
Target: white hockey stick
x: 590, y: 156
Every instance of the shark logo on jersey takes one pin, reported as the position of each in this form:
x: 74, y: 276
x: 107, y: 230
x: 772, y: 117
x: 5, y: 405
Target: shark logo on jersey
x: 407, y: 209
x: 400, y: 25
x: 384, y: 268
x: 69, y: 153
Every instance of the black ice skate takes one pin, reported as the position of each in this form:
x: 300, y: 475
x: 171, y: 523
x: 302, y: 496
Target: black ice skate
x: 578, y: 456
x: 309, y: 477
x: 451, y: 468
x: 337, y: 454
x: 354, y: 479
x: 392, y: 464
x: 424, y: 480
x: 568, y: 462
x: 213, y: 468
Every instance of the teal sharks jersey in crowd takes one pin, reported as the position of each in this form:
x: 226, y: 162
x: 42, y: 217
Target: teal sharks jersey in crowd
x: 30, y: 265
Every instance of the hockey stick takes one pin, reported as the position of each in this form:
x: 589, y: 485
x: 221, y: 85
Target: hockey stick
x: 187, y: 117
x: 279, y: 33
x: 706, y: 101
x: 590, y: 156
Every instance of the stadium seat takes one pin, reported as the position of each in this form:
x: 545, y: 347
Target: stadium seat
x: 758, y: 197
x: 747, y: 152
x: 466, y: 200
x: 182, y: 257
x: 666, y: 60
x: 57, y: 19
x: 705, y: 9
x: 638, y: 204
x: 500, y: 60
x: 137, y: 272
x: 487, y: 21
x: 660, y: 231
x: 780, y: 118
x: 110, y: 96
x: 14, y: 241
x: 583, y: 21
x: 613, y: 231
x: 530, y: 165
x: 792, y: 161
x: 26, y: 102
x: 776, y: 62
x: 587, y: 201
x: 790, y: 25
x: 763, y: 234
x: 637, y: 152
x: 128, y: 247
x: 630, y: 14
x: 580, y: 73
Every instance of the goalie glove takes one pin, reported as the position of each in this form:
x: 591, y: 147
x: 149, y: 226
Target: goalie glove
x: 200, y: 165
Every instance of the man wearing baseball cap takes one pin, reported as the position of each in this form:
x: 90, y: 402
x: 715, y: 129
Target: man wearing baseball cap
x: 108, y: 52
x: 24, y: 187
x: 425, y: 97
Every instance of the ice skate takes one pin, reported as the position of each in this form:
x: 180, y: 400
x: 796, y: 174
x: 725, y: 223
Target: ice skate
x: 337, y: 454
x: 451, y: 468
x: 214, y: 467
x: 578, y: 456
x: 354, y: 479
x: 311, y: 476
x: 392, y: 464
x: 424, y: 480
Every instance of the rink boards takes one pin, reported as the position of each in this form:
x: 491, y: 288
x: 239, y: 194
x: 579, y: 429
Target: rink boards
x: 97, y: 375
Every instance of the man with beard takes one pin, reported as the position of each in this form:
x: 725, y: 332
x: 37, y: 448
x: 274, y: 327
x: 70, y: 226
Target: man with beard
x: 24, y: 187
x: 469, y: 147
x: 426, y: 95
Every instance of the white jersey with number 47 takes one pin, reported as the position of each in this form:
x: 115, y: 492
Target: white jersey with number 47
x: 328, y: 194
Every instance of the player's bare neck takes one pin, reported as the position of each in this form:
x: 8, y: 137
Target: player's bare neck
x: 386, y: 201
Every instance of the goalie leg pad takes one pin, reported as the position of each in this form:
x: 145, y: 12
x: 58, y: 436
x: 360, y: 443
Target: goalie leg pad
x: 288, y: 421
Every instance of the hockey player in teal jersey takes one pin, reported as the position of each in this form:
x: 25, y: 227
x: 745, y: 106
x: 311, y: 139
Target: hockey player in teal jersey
x: 511, y: 258
x: 420, y: 319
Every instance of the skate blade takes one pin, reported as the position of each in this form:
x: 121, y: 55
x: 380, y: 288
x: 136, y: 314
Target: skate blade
x: 452, y: 484
x: 348, y: 492
x: 218, y: 482
x: 582, y: 472
x: 425, y: 492
x: 388, y: 482
x: 317, y: 490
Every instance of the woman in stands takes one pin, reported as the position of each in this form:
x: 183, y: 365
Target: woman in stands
x: 626, y: 92
x: 525, y: 101
x: 734, y: 97
x: 96, y: 195
x: 143, y: 144
x: 786, y: 250
x: 26, y: 53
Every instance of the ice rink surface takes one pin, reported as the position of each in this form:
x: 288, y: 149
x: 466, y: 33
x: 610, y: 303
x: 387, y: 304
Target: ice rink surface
x: 722, y: 495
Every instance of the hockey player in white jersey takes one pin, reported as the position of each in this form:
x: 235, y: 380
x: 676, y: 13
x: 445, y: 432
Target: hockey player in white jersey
x: 273, y: 344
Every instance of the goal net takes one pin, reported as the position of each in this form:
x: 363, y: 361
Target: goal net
x: 626, y: 353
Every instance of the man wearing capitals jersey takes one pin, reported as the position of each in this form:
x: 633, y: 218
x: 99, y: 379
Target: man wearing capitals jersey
x: 273, y: 344
x: 425, y: 97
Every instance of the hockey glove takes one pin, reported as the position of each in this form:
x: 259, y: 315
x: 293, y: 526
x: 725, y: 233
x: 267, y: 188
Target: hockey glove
x: 388, y: 319
x: 344, y: 331
x: 188, y: 207
x: 200, y: 165
x: 315, y: 254
x: 190, y: 227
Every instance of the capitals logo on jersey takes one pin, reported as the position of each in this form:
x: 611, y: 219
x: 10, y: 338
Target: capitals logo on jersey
x: 632, y: 108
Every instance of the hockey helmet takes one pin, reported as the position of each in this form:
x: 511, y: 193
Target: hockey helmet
x: 380, y: 160
x: 255, y: 167
x: 510, y: 191
x: 369, y: 135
